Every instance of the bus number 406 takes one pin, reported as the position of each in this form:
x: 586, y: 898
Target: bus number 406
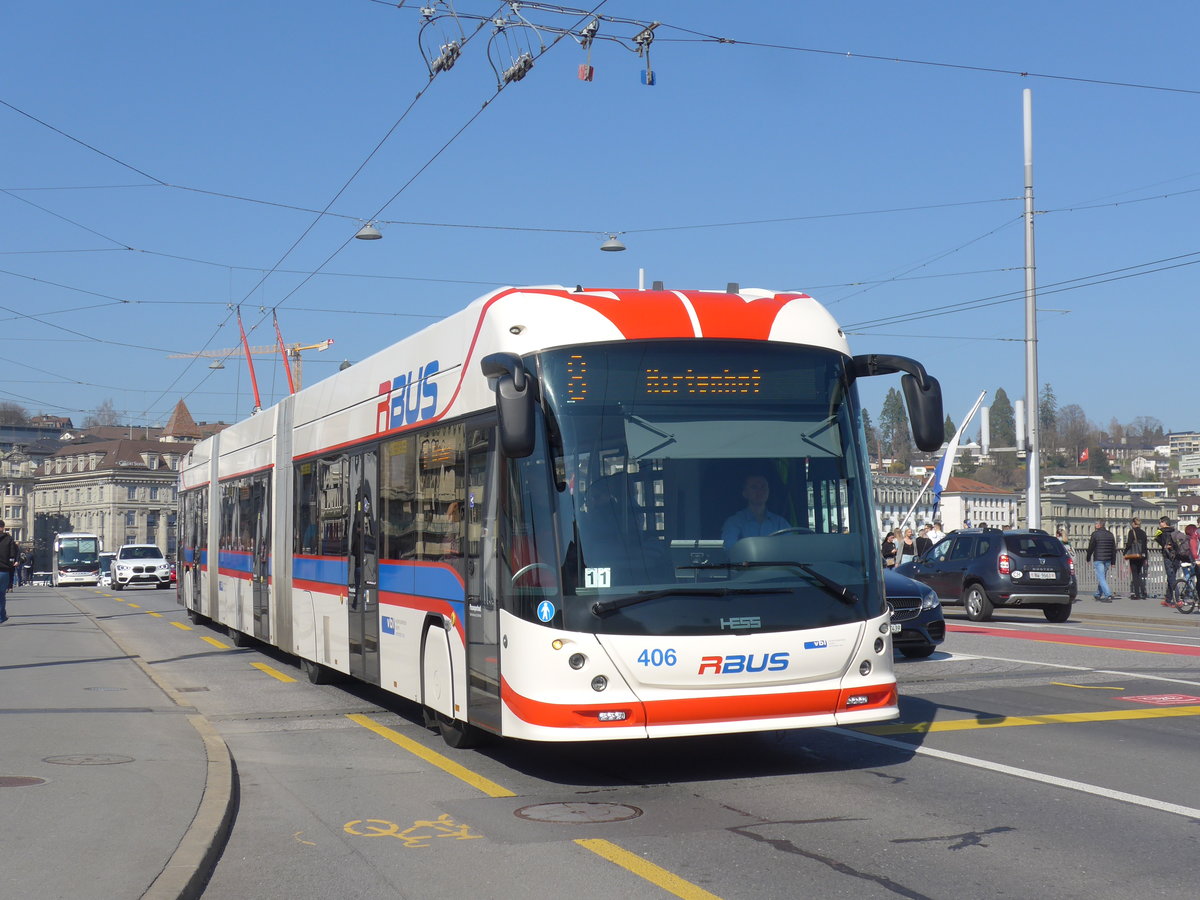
x: 658, y: 658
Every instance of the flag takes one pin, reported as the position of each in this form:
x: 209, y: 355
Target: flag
x: 941, y: 475
x: 1083, y: 457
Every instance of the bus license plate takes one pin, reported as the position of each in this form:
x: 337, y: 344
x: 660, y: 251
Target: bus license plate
x: 895, y: 628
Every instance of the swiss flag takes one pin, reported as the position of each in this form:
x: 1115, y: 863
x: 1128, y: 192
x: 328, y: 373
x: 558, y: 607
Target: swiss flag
x: 1083, y: 457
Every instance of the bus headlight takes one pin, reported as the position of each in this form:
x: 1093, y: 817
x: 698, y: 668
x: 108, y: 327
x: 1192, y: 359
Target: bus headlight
x: 599, y: 683
x: 577, y: 661
x: 865, y: 668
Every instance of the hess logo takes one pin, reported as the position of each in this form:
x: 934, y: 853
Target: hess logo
x: 736, y: 663
x: 407, y: 398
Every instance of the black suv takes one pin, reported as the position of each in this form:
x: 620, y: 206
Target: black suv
x: 985, y: 568
x: 917, y: 623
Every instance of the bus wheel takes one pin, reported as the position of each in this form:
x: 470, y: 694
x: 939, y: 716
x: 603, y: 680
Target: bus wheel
x: 458, y: 734
x: 240, y: 638
x: 315, y: 672
x: 195, y: 617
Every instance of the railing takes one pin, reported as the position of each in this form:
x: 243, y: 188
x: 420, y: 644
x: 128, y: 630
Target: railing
x: 1119, y: 579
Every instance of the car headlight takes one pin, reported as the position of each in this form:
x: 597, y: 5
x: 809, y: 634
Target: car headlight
x: 929, y: 600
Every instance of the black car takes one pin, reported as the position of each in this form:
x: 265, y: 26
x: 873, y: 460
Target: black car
x: 986, y: 568
x: 917, y: 623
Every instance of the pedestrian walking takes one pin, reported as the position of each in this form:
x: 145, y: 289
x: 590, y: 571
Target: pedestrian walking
x: 1102, y: 553
x: 1176, y: 549
x: 10, y: 554
x: 1135, y: 554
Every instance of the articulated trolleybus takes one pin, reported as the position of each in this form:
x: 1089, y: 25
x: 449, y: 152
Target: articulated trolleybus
x: 570, y: 515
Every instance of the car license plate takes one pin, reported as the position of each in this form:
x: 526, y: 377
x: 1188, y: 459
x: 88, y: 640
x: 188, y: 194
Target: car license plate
x: 895, y: 628
x: 1042, y: 574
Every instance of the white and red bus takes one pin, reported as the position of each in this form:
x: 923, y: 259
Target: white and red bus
x: 570, y: 515
x: 75, y: 559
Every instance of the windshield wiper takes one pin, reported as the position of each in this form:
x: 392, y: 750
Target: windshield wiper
x: 603, y: 607
x: 837, y: 591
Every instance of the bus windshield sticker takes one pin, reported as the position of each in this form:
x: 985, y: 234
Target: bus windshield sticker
x: 597, y: 577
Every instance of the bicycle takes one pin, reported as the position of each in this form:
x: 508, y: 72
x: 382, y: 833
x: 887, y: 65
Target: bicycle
x: 1185, y: 589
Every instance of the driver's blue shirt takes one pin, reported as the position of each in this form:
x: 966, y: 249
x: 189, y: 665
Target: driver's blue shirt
x: 743, y: 524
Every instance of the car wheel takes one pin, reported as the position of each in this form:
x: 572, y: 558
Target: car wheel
x: 922, y: 652
x: 117, y: 586
x: 979, y: 608
x: 1058, y: 613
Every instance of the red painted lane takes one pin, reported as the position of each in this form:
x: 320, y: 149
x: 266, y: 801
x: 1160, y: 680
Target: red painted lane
x: 1052, y: 638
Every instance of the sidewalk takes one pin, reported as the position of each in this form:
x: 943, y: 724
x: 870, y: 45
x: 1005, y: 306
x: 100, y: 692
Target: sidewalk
x: 110, y: 784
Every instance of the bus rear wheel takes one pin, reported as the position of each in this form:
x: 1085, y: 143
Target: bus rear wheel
x: 315, y: 672
x: 457, y: 734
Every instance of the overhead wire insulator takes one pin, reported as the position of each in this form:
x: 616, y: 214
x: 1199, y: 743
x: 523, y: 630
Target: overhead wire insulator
x: 449, y: 56
x: 518, y: 69
x: 643, y: 39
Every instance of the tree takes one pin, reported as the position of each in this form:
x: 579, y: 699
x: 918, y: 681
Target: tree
x: 1003, y: 421
x: 1075, y: 431
x: 104, y: 414
x: 871, y: 435
x: 13, y: 414
x: 1146, y: 429
x: 1048, y: 416
x: 950, y: 429
x: 894, y: 432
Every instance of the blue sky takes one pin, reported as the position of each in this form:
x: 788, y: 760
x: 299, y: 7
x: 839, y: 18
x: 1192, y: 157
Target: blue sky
x: 163, y: 162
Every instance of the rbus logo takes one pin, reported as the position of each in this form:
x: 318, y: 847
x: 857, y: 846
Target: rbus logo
x: 408, y: 398
x: 736, y: 663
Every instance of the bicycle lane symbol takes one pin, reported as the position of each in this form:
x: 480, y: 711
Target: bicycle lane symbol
x: 416, y: 835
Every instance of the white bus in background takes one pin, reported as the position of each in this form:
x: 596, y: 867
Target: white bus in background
x: 75, y: 559
x: 519, y: 518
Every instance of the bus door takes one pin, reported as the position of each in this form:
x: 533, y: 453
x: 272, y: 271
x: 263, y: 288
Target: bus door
x: 261, y: 561
x: 363, y: 569
x: 483, y: 616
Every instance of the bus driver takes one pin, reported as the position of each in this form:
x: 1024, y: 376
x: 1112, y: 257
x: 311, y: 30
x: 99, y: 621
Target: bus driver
x: 755, y: 520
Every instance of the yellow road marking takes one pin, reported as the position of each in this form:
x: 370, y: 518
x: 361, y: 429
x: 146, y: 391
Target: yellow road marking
x: 1113, y: 715
x: 430, y: 756
x: 181, y: 626
x: 212, y: 640
x: 135, y: 606
x: 657, y: 875
x: 156, y: 615
x: 274, y: 673
x: 1087, y: 687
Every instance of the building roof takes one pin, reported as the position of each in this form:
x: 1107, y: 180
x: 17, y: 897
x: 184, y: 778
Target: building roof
x: 119, y: 455
x: 967, y: 486
x: 181, y: 426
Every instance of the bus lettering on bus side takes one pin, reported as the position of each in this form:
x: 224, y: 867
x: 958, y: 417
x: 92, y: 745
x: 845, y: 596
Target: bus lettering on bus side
x: 408, y: 398
x: 737, y: 663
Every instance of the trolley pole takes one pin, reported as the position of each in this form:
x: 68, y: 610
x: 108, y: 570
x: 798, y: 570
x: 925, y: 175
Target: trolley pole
x: 1033, y: 502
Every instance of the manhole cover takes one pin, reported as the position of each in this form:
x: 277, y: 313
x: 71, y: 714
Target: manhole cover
x: 20, y: 780
x: 88, y: 759
x: 578, y: 813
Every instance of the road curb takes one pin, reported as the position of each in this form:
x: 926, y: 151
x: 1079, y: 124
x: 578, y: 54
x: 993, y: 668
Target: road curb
x: 189, y: 868
x: 195, y: 858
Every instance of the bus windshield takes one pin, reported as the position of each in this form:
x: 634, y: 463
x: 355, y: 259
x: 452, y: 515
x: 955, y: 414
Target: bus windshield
x: 76, y: 550
x: 694, y: 487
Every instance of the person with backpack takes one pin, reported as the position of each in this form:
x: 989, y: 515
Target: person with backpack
x: 1102, y: 553
x: 1176, y: 550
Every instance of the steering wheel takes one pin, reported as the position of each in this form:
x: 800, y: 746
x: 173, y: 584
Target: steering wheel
x: 524, y: 570
x: 795, y: 529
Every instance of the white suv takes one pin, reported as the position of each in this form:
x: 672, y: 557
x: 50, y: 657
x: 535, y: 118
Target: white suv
x: 140, y: 564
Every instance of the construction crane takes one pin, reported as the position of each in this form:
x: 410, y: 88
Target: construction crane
x: 293, y: 355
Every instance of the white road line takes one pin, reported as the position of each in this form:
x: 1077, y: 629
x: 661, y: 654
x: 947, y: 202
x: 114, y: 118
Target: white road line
x: 1027, y: 774
x: 1049, y: 665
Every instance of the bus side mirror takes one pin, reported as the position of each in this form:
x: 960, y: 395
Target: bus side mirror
x: 922, y: 395
x: 925, y: 411
x: 514, y: 402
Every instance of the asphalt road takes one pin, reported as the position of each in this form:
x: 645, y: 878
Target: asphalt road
x: 1031, y: 760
